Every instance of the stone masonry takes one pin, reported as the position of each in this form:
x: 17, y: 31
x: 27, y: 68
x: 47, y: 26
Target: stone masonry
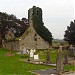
x: 30, y: 39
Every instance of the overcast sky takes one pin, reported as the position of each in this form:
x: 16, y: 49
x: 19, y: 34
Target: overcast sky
x: 57, y: 14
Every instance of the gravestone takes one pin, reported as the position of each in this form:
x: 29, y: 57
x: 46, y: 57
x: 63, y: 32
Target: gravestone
x: 65, y: 57
x: 59, y: 62
x: 47, y: 57
x: 24, y: 51
x: 31, y: 53
x: 36, y: 57
x: 72, y: 51
x: 71, y: 48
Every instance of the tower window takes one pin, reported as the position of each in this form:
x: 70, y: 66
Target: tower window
x: 35, y: 37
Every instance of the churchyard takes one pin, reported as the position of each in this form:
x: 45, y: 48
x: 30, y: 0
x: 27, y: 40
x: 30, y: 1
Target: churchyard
x: 20, y: 63
x: 19, y: 39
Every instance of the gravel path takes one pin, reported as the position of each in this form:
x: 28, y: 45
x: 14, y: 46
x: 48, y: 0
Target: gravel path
x: 50, y: 72
x: 45, y: 72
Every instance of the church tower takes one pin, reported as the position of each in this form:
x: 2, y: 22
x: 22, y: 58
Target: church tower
x: 31, y: 39
x: 35, y: 40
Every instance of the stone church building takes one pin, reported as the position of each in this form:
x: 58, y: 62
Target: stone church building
x: 29, y: 40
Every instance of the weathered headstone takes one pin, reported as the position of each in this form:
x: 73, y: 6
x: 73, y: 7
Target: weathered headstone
x: 59, y: 63
x: 71, y: 48
x: 65, y: 57
x: 24, y: 51
x: 47, y: 57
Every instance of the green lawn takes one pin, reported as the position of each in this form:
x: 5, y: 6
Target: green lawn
x: 53, y: 56
x: 13, y: 65
x: 69, y: 67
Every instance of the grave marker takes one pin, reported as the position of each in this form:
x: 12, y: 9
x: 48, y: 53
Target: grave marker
x: 59, y: 62
x: 24, y: 51
x: 31, y: 53
x: 36, y: 57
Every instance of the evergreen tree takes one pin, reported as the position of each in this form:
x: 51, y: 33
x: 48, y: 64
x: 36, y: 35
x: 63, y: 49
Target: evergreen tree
x: 70, y: 33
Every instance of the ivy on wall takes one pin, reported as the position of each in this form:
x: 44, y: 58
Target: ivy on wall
x: 39, y: 25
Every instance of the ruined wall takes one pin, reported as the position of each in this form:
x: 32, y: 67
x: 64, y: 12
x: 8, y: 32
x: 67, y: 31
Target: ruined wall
x: 11, y: 45
x: 32, y: 40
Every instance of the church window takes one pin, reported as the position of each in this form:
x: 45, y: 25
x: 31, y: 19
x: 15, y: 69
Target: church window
x: 35, y: 37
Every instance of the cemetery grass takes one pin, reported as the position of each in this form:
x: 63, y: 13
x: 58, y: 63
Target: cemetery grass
x: 69, y: 67
x: 13, y: 65
x: 53, y: 56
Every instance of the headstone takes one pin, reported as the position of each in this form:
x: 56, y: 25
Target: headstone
x: 72, y: 51
x: 31, y: 53
x: 71, y: 48
x: 36, y: 57
x: 65, y: 57
x: 47, y: 57
x: 59, y: 62
x: 24, y: 51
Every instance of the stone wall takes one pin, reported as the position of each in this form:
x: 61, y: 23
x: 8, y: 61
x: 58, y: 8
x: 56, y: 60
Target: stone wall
x: 32, y: 40
x: 29, y: 40
x: 11, y: 45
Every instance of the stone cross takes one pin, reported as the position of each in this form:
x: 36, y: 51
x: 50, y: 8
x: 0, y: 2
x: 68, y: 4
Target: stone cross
x: 31, y: 53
